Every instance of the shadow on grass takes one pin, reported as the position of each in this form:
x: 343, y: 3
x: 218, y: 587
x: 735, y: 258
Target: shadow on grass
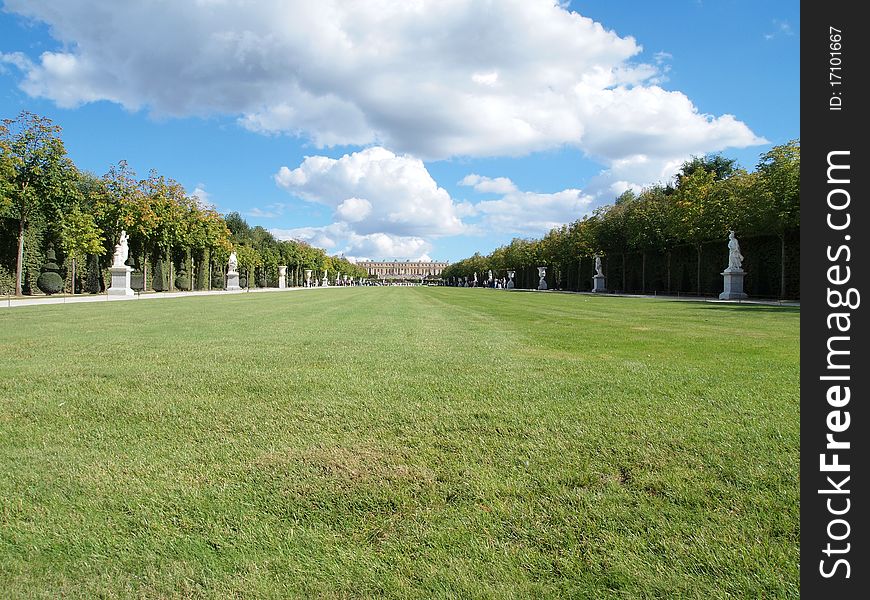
x: 750, y: 307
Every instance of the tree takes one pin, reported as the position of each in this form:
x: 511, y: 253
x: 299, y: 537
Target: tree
x: 721, y: 167
x: 699, y: 214
x: 780, y: 183
x: 38, y: 173
x: 79, y: 236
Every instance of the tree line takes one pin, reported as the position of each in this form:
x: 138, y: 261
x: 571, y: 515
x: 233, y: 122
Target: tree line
x: 676, y: 226
x: 50, y: 210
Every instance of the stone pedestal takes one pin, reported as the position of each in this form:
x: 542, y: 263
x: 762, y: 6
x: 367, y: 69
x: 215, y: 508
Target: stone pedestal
x: 233, y: 281
x: 282, y: 276
x: 121, y: 282
x: 598, y: 283
x: 733, y: 285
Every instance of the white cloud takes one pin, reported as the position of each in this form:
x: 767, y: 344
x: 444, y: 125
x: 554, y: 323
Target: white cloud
x: 339, y: 238
x: 388, y: 206
x: 353, y: 210
x: 431, y: 78
x: 203, y: 198
x: 662, y: 57
x: 385, y: 205
x: 498, y: 185
x: 271, y: 211
x: 376, y: 190
x: 524, y: 212
x: 780, y: 28
x: 533, y: 213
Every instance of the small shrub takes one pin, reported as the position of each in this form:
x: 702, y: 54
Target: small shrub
x: 7, y: 281
x: 137, y: 280
x: 49, y: 283
x: 243, y: 281
x: 182, y: 282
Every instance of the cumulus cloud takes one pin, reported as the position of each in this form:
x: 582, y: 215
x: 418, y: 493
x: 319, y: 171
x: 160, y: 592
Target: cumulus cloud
x: 339, y: 238
x: 518, y: 211
x: 498, y: 185
x: 388, y: 206
x: 377, y: 191
x: 430, y: 78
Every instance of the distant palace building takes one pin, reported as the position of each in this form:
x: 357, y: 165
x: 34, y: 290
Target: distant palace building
x: 407, y: 269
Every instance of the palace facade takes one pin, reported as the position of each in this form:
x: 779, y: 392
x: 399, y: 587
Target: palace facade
x: 407, y: 269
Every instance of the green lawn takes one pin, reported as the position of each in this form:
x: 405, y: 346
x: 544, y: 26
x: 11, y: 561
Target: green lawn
x: 400, y: 442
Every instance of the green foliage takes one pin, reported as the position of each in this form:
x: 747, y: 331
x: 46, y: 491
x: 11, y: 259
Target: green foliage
x: 182, y: 281
x: 137, y: 281
x: 38, y: 177
x: 80, y: 235
x: 7, y: 281
x: 50, y: 281
x: 92, y: 275
x: 159, y: 273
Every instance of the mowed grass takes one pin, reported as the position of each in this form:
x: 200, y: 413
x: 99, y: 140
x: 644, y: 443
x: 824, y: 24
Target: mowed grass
x: 399, y: 442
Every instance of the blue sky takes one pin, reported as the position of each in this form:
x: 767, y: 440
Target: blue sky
x: 399, y: 129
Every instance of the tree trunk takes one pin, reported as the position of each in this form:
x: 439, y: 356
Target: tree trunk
x: 144, y: 271
x: 623, y: 272
x: 643, y: 272
x: 579, y: 273
x: 73, y: 276
x: 782, y: 266
x: 171, y: 266
x: 699, y: 269
x: 669, y: 271
x: 19, y: 267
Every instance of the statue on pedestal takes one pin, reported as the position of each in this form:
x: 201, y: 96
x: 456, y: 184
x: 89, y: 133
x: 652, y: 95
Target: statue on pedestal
x: 233, y: 263
x: 598, y: 266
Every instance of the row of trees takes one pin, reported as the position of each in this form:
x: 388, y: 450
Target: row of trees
x: 708, y: 197
x: 175, y: 240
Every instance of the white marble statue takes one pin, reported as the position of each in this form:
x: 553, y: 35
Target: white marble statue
x: 233, y: 264
x: 735, y: 259
x: 542, y: 282
x: 122, y: 251
x: 598, y: 265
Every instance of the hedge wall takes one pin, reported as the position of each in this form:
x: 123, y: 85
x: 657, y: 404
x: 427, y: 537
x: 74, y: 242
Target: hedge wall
x: 675, y: 272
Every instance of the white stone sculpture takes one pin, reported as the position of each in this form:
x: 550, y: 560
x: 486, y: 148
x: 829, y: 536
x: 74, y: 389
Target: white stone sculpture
x: 542, y: 273
x: 735, y: 259
x: 233, y: 263
x: 510, y: 283
x: 598, y: 266
x: 122, y: 251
